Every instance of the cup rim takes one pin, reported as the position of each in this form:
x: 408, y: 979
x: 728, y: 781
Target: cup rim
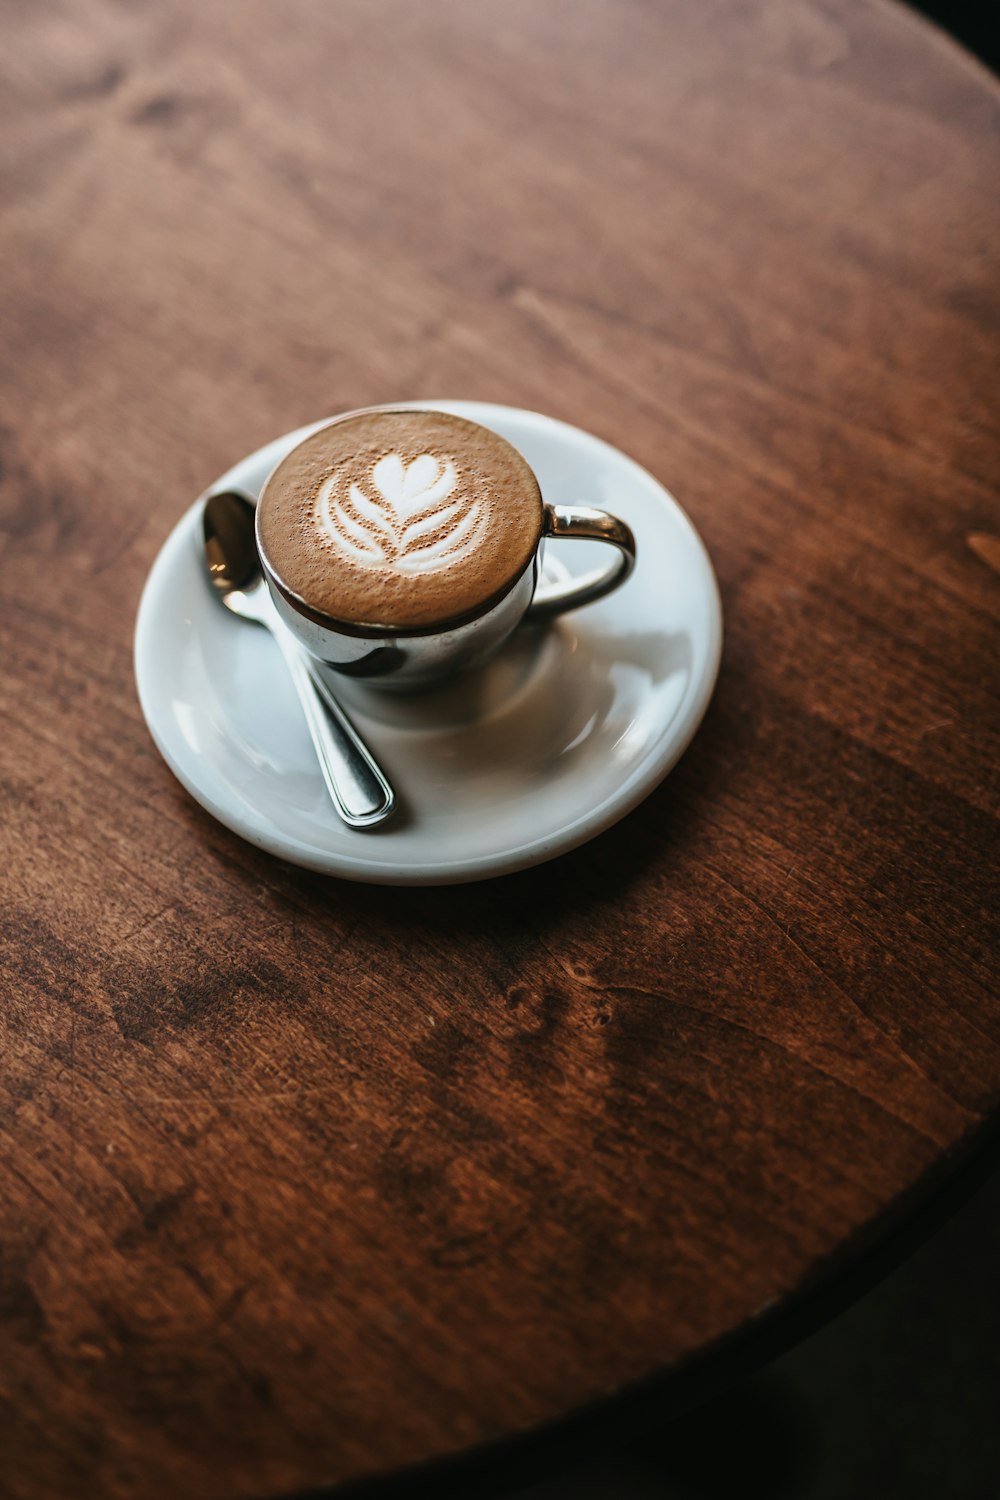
x: 368, y: 630
x: 364, y: 631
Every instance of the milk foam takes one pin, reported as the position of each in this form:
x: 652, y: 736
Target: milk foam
x: 398, y: 518
x: 406, y: 518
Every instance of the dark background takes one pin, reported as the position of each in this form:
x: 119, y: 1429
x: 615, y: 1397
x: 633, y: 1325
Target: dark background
x: 977, y: 26
x: 898, y: 1397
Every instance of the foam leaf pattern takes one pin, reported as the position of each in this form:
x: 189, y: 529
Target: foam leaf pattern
x: 408, y: 518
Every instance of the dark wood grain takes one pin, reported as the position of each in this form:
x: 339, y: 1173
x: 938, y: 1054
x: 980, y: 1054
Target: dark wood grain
x: 303, y: 1181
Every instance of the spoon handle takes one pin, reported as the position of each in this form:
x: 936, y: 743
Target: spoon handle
x: 360, y: 792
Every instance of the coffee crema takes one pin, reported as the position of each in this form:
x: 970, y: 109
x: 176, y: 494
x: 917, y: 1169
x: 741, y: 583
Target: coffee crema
x: 400, y: 519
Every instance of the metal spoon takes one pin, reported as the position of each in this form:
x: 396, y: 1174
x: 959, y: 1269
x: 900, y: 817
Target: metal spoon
x: 360, y: 791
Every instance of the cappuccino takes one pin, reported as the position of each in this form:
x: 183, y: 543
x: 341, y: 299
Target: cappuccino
x: 399, y: 519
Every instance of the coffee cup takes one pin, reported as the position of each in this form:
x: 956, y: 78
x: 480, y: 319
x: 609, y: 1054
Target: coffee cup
x: 402, y: 545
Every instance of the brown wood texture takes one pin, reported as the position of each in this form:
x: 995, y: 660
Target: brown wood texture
x: 302, y: 1181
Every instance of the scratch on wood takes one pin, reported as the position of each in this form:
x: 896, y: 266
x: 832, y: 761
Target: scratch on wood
x: 157, y: 916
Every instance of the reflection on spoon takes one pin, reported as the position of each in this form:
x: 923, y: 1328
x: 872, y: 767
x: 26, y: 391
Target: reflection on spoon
x: 358, y: 787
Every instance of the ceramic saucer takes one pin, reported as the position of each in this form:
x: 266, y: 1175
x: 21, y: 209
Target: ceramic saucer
x: 562, y: 734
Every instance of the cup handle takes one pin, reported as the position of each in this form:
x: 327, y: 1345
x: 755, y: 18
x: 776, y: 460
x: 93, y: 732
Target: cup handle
x: 593, y: 526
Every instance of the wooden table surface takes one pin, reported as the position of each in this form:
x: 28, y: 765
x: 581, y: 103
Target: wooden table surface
x: 304, y: 1181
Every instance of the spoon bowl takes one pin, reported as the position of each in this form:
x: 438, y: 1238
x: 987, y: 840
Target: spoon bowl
x: 357, y: 785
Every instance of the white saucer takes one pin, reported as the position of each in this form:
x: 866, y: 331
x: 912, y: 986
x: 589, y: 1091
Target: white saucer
x: 557, y: 738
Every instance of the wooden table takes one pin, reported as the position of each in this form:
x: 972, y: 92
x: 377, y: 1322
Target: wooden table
x: 303, y: 1181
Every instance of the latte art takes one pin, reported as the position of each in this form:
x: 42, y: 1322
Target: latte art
x: 407, y: 518
x: 397, y: 519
